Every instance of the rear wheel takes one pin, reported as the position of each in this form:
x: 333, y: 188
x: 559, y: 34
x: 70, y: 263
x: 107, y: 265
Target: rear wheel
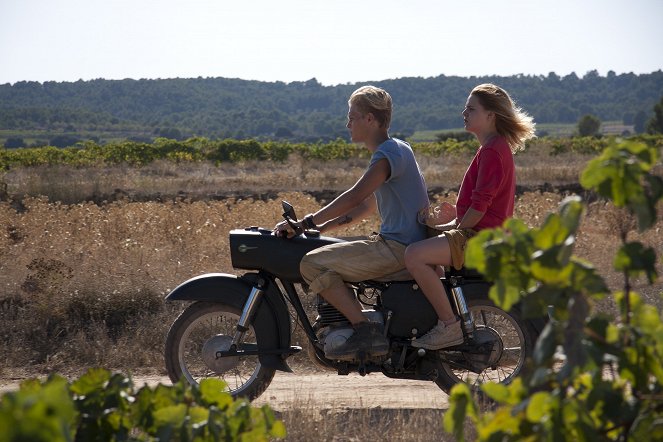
x: 515, y: 341
x: 196, y: 336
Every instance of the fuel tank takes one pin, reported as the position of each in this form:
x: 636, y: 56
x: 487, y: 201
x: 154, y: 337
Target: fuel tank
x: 255, y: 248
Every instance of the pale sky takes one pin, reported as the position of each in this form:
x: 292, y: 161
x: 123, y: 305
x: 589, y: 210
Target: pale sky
x: 341, y: 41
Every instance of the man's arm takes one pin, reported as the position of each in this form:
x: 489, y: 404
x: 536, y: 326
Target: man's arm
x: 364, y: 209
x: 357, y: 197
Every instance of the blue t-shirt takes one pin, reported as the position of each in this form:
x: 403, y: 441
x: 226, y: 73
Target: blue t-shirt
x: 402, y: 195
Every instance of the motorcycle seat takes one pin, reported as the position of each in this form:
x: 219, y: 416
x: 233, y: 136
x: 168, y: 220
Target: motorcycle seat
x: 402, y: 275
x: 462, y: 273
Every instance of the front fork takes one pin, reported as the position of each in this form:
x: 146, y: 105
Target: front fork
x: 461, y: 307
x: 250, y: 307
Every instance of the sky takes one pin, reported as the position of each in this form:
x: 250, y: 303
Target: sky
x: 335, y: 41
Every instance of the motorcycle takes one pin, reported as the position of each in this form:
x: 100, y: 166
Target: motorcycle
x: 238, y: 328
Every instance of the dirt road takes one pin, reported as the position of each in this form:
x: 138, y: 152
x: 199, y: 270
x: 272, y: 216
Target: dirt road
x: 331, y: 392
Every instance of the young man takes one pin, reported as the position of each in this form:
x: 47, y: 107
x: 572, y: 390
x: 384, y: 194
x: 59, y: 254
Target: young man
x: 393, y: 184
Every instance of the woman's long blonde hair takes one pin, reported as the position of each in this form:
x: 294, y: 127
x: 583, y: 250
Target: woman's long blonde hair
x: 511, y: 122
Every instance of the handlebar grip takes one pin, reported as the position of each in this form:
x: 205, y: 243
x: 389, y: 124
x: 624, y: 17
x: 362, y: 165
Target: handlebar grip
x: 297, y: 228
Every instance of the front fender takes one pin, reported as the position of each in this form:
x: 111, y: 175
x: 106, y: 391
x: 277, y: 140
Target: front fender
x: 206, y: 287
x: 271, y: 321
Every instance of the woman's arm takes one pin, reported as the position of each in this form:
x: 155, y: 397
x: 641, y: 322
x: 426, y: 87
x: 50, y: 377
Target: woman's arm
x: 470, y: 219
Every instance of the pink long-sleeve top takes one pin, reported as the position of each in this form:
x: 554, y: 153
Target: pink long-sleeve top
x: 489, y: 185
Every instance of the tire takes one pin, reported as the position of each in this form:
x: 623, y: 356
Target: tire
x: 195, y: 336
x: 517, y: 337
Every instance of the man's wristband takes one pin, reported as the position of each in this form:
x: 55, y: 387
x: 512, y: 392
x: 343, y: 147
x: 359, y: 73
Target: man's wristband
x: 308, y: 223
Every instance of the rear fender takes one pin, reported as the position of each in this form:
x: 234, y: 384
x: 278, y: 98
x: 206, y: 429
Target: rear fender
x: 271, y: 321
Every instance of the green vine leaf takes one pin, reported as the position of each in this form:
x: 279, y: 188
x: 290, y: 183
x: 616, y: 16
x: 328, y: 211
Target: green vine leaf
x: 634, y: 258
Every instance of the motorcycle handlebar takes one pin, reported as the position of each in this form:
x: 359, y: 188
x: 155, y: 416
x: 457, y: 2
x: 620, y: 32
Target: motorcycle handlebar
x: 291, y: 218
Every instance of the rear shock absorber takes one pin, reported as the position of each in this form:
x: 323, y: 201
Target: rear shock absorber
x: 461, y: 307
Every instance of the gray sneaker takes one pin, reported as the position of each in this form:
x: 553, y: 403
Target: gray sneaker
x: 440, y: 336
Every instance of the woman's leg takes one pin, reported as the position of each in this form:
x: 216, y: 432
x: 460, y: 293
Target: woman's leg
x: 421, y: 259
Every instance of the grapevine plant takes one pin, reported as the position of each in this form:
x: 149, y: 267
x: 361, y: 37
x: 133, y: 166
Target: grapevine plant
x: 100, y: 406
x: 199, y: 149
x: 593, y: 377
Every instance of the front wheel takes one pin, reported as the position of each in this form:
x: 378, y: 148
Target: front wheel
x: 514, y: 342
x: 194, y: 339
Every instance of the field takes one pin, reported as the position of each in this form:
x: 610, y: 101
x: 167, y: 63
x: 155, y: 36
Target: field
x: 87, y: 255
x: 123, y: 132
x: 548, y: 129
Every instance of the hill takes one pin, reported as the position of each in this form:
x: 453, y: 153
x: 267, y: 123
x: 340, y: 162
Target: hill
x: 301, y: 111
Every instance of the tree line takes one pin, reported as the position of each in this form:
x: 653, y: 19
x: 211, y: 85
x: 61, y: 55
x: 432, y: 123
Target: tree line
x: 221, y: 108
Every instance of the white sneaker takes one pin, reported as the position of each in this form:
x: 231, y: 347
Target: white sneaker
x: 440, y: 336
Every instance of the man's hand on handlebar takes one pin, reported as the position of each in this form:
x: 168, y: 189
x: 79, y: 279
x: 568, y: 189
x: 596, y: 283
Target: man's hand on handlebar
x: 284, y: 229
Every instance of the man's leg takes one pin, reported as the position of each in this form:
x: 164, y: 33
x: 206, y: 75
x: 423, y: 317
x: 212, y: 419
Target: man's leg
x: 341, y: 298
x: 327, y: 269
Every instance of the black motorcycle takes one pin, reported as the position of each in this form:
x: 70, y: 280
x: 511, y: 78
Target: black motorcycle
x: 239, y: 327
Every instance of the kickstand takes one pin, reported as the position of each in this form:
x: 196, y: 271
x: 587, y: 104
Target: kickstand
x: 401, y: 359
x: 361, y: 369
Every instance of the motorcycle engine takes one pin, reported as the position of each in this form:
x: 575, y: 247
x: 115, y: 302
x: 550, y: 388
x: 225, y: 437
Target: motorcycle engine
x: 335, y: 337
x: 335, y: 329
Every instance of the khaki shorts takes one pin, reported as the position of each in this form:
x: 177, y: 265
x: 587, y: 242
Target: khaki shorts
x: 333, y: 265
x: 457, y: 241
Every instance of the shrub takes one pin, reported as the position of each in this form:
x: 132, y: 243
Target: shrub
x: 588, y: 126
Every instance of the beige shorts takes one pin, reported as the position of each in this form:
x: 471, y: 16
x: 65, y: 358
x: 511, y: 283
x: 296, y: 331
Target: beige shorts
x: 354, y: 261
x: 457, y: 241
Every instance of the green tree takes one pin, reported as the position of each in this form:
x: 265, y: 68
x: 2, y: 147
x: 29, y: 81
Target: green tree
x: 609, y: 385
x: 171, y: 132
x: 63, y: 140
x: 211, y: 106
x: 639, y: 122
x: 588, y: 125
x: 13, y: 143
x: 283, y: 132
x: 655, y: 125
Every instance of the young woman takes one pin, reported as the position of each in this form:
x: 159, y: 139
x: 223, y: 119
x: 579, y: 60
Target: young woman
x: 485, y: 200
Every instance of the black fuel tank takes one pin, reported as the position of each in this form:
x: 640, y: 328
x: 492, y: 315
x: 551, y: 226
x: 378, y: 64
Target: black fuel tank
x: 254, y: 248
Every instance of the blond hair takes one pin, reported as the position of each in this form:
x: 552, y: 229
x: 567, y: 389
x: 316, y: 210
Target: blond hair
x: 511, y: 122
x: 373, y: 100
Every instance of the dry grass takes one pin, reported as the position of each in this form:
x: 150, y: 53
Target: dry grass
x: 76, y: 280
x: 354, y: 425
x: 204, y: 180
x: 82, y: 283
